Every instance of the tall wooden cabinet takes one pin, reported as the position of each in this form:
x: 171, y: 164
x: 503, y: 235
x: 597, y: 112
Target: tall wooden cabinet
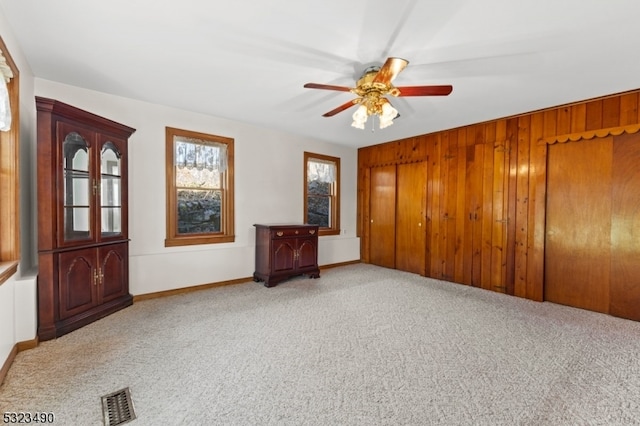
x: 83, y: 267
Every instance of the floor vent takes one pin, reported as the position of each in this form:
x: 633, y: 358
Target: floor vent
x: 117, y: 408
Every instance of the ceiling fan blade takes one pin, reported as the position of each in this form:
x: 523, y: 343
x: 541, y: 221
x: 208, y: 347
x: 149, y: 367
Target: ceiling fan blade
x: 443, y: 90
x: 327, y: 87
x: 390, y: 70
x: 342, y: 107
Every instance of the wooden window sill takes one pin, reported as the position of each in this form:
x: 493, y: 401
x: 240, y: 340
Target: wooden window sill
x: 7, y: 270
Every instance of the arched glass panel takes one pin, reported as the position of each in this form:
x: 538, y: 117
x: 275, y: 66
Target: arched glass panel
x: 111, y: 190
x: 77, y: 188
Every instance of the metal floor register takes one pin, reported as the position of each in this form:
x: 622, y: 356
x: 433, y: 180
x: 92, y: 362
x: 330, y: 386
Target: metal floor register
x: 117, y: 408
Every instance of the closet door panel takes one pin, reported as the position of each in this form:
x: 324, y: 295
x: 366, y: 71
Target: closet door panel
x: 625, y: 228
x: 578, y: 230
x: 411, y: 217
x: 383, y: 216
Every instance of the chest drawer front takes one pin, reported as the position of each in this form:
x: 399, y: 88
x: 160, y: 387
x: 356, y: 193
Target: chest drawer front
x: 292, y: 232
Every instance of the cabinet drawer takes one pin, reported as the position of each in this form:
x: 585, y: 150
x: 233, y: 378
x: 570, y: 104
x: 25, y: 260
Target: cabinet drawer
x: 292, y: 232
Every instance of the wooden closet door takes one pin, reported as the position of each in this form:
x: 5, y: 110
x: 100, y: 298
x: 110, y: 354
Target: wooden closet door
x: 625, y: 228
x: 383, y: 216
x: 411, y: 187
x: 578, y: 229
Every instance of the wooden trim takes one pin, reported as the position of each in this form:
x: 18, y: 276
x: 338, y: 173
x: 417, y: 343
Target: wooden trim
x: 18, y: 347
x: 173, y: 292
x: 7, y: 364
x: 28, y: 344
x: 7, y: 270
x: 190, y: 289
x: 597, y: 133
x: 198, y: 239
x: 339, y: 264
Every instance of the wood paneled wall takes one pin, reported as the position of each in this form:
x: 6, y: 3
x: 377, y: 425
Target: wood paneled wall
x: 486, y: 188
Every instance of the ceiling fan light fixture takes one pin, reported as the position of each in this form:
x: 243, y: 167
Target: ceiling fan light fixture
x: 388, y: 114
x: 374, y: 105
x: 360, y: 117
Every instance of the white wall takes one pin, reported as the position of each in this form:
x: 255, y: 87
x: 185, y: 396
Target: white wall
x: 268, y: 188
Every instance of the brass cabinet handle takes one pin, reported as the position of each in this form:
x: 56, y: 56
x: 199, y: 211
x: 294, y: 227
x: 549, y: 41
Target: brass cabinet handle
x: 279, y: 233
x: 312, y: 231
x: 98, y: 276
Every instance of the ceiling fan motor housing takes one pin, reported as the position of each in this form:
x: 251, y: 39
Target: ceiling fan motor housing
x: 367, y: 85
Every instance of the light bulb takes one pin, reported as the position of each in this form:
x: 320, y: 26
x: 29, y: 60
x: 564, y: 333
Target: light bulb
x: 358, y: 124
x: 360, y: 117
x: 388, y: 114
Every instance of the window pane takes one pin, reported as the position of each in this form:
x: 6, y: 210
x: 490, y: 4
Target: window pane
x: 317, y: 187
x: 319, y: 210
x: 321, y: 170
x: 199, y: 211
x: 194, y: 178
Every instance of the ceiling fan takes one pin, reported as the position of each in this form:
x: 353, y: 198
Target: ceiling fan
x: 371, y: 89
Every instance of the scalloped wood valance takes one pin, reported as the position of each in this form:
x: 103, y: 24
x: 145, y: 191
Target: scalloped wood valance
x: 590, y: 134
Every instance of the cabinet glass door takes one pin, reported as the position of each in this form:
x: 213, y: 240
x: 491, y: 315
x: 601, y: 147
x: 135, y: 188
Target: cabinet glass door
x: 77, y: 188
x: 111, y: 190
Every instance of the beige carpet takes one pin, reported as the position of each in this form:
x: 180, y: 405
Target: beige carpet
x: 360, y: 346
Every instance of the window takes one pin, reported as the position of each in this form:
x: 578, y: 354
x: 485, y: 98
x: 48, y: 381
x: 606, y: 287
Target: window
x: 322, y: 192
x: 199, y: 188
x: 9, y: 142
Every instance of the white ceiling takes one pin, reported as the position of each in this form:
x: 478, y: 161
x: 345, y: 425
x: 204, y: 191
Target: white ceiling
x: 248, y: 60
